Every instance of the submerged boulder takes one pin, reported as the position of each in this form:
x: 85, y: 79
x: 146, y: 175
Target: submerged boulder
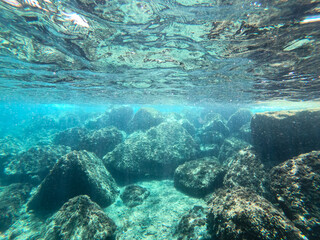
x: 80, y: 218
x: 193, y: 225
x: 120, y: 116
x: 199, y: 177
x: 296, y: 184
x: 154, y: 154
x: 230, y: 148
x: 134, y: 195
x: 278, y: 136
x: 145, y: 118
x: 242, y: 214
x: 34, y: 164
x: 247, y: 170
x: 12, y: 197
x: 72, y: 137
x: 77, y: 173
x: 238, y: 119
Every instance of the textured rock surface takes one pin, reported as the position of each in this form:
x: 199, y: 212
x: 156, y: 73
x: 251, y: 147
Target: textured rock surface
x: 80, y: 218
x: 193, y: 225
x: 242, y: 214
x: 278, y: 136
x: 230, y: 148
x: 296, y: 184
x: 75, y: 174
x: 33, y: 165
x: 246, y: 170
x: 98, y: 141
x: 214, y: 131
x: 145, y: 118
x: 134, y: 195
x: 154, y: 154
x: 12, y: 197
x: 120, y: 116
x: 238, y: 119
x: 199, y: 177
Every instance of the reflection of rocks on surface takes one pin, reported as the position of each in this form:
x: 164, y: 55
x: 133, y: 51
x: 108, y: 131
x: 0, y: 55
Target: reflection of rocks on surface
x: 80, y: 218
x: 296, y: 185
x: 33, y: 165
x: 12, y: 198
x: 193, y: 225
x: 134, y: 195
x: 98, y: 141
x: 145, y: 118
x: 278, y: 136
x: 199, y: 177
x: 246, y: 170
x: 154, y: 154
x: 242, y: 214
x: 75, y: 174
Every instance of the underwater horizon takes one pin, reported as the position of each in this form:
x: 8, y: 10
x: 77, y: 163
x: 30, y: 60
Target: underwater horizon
x: 160, y: 119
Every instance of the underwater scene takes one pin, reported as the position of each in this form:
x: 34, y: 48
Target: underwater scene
x: 160, y: 119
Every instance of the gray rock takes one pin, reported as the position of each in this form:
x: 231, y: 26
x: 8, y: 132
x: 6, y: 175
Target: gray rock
x: 242, y: 214
x: 230, y: 148
x: 100, y: 121
x: 145, y: 118
x: 278, y: 136
x: 154, y: 154
x: 134, y: 195
x: 76, y: 173
x: 295, y: 183
x: 199, y: 177
x: 120, y: 116
x: 80, y: 218
x: 33, y: 165
x: 188, y: 126
x: 98, y: 141
x: 247, y: 170
x: 238, y: 119
x: 73, y: 137
x: 193, y: 225
x: 214, y: 131
x: 12, y: 198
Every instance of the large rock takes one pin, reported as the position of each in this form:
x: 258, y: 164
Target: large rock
x: 80, y: 218
x: 98, y: 141
x: 33, y: 165
x: 193, y: 225
x: 296, y: 184
x: 120, y: 116
x: 12, y: 198
x: 278, y: 136
x: 242, y: 214
x: 199, y: 177
x: 145, y: 118
x: 238, y: 119
x: 247, y: 170
x: 76, y: 173
x: 154, y: 154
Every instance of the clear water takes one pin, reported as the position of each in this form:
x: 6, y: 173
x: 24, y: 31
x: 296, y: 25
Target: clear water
x: 71, y: 61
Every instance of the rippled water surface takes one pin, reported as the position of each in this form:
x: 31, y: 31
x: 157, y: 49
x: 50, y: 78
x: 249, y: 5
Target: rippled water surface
x: 159, y: 51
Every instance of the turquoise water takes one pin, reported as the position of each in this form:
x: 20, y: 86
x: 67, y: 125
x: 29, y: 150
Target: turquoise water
x: 159, y: 119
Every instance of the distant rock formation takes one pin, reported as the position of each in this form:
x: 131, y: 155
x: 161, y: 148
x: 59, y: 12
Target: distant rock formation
x: 151, y: 155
